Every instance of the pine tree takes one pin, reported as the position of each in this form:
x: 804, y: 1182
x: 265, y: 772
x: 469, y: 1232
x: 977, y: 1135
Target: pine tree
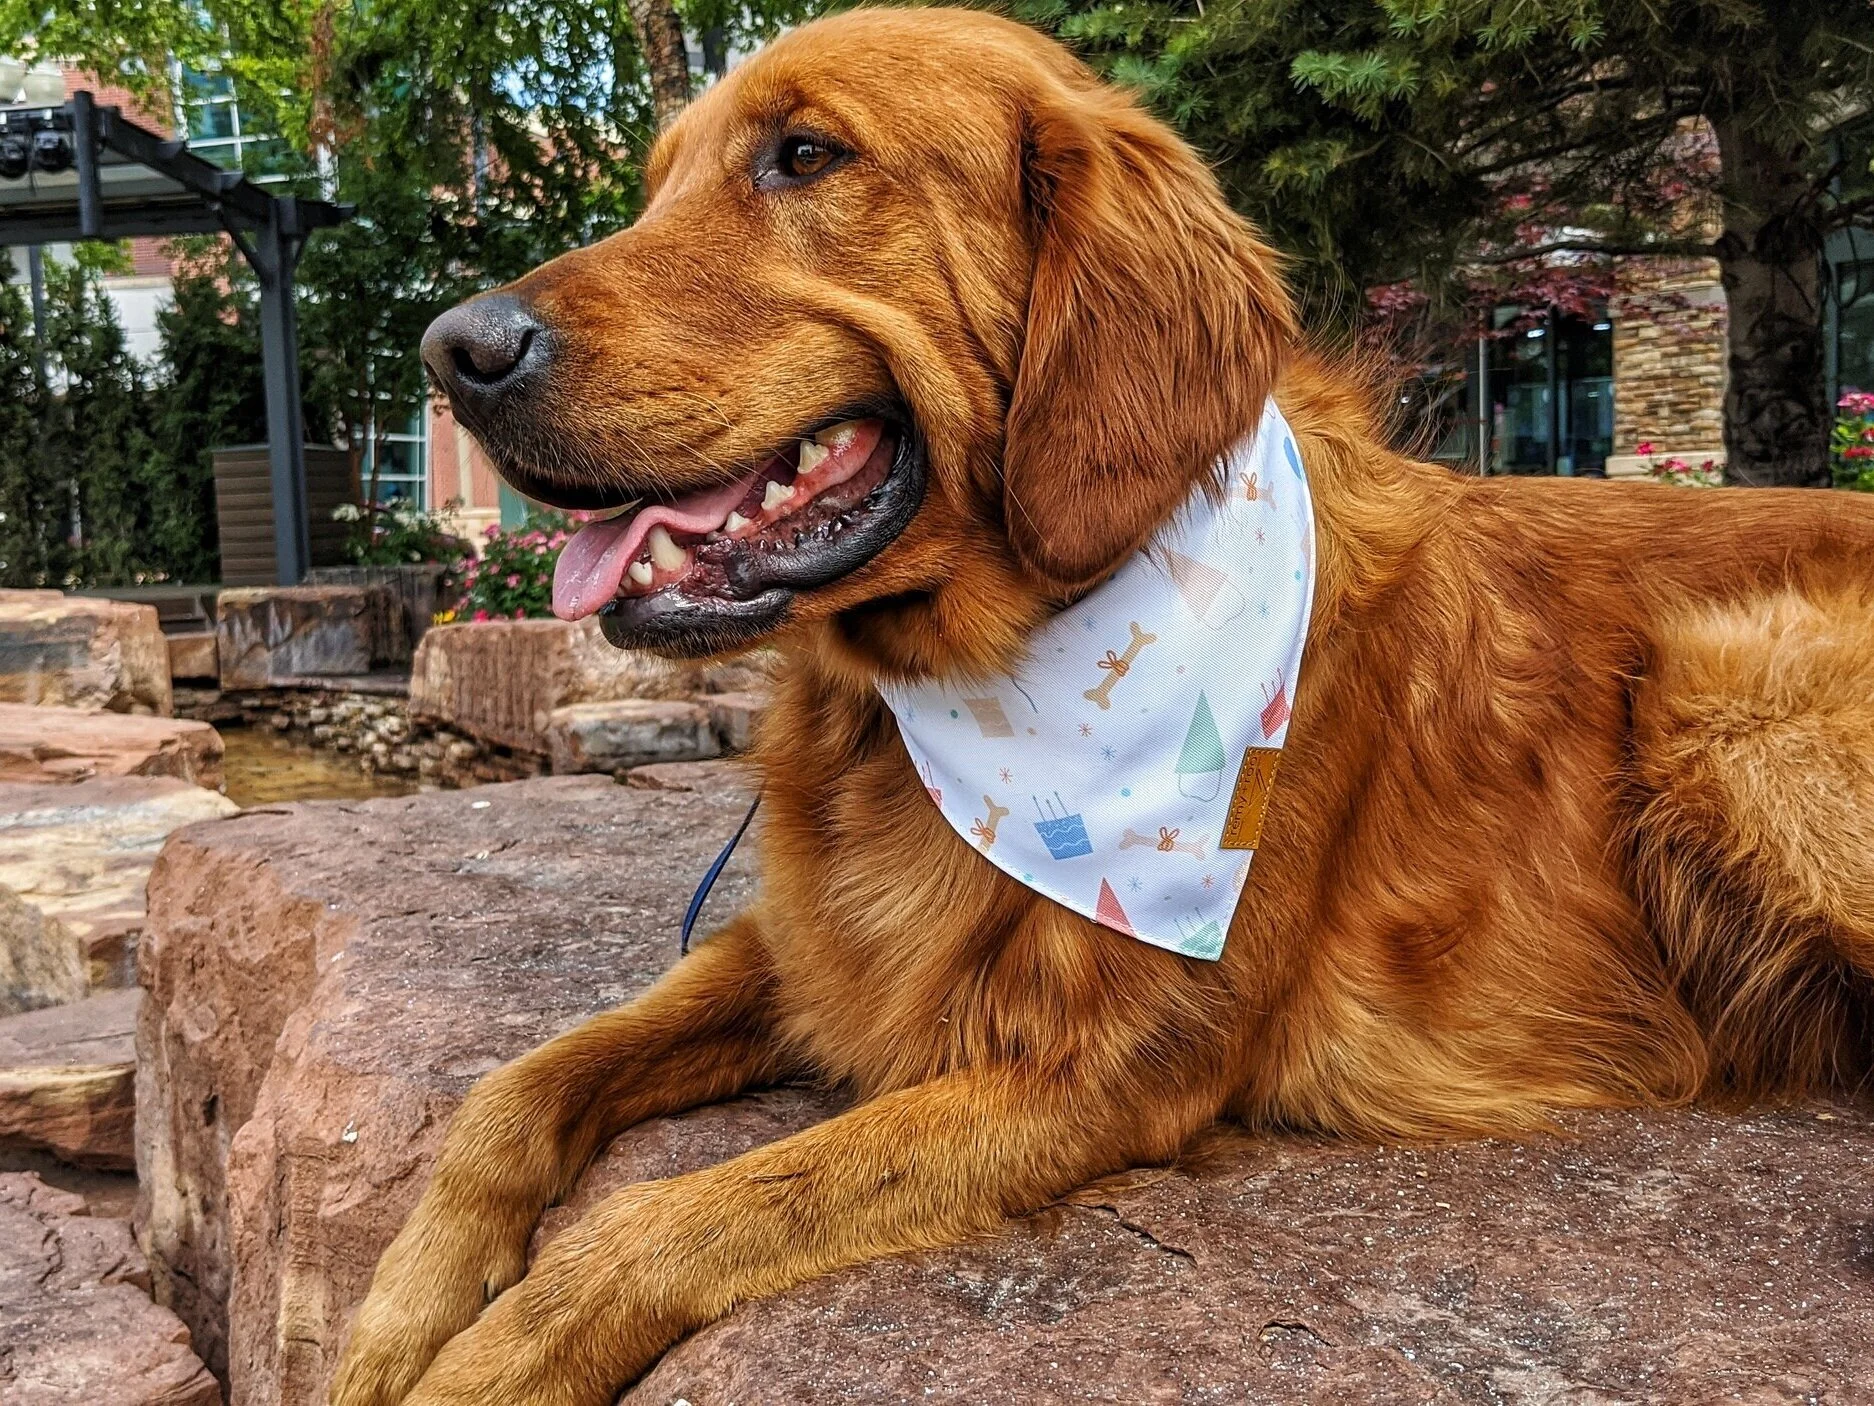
x: 1382, y: 140
x: 22, y: 548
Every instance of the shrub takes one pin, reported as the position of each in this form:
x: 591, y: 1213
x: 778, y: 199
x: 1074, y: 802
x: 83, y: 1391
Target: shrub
x: 514, y: 578
x: 397, y: 533
x: 1853, y: 441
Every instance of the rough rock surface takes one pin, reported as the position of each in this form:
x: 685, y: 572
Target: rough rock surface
x: 370, y: 960
x: 77, y: 1327
x: 628, y: 732
x: 500, y: 680
x: 735, y: 717
x: 193, y: 656
x: 55, y: 745
x: 68, y: 1081
x: 82, y: 652
x: 1670, y: 1256
x: 271, y: 635
x: 73, y: 861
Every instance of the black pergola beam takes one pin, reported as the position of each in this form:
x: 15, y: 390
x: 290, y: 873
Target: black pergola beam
x: 270, y: 231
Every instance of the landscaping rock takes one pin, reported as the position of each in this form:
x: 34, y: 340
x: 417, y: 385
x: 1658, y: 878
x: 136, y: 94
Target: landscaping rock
x: 370, y: 960
x: 72, y: 744
x: 273, y: 635
x: 735, y: 716
x: 376, y: 958
x: 77, y: 1327
x: 82, y: 652
x: 73, y: 861
x: 501, y: 680
x: 194, y: 656
x: 68, y: 1081
x: 612, y: 737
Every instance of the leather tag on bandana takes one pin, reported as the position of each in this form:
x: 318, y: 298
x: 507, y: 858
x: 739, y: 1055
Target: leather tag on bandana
x: 1242, y: 827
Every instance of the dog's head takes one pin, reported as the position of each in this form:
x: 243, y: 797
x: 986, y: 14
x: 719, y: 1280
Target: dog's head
x: 922, y: 329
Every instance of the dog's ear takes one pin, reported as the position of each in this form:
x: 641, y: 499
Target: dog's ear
x: 1157, y: 324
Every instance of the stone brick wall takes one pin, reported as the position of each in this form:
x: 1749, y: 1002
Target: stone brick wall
x: 1669, y: 357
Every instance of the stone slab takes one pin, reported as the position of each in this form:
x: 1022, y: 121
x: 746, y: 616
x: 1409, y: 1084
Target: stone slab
x: 54, y: 744
x: 73, y: 863
x: 616, y: 736
x: 193, y: 656
x: 82, y: 652
x: 77, y: 1327
x: 68, y: 1081
x: 735, y: 716
x: 1664, y: 1256
x: 501, y: 680
x: 324, y: 983
x: 267, y: 634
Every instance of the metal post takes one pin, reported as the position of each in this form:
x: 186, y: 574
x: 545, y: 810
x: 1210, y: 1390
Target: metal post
x: 274, y: 255
x: 85, y: 161
x: 1553, y: 365
x: 1486, y: 418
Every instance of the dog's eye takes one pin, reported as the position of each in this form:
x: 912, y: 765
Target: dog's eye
x: 800, y: 158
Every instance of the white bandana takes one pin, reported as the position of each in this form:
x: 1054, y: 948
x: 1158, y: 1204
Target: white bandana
x: 1123, y: 768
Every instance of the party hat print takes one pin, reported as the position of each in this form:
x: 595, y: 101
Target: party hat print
x: 1206, y: 590
x: 1108, y: 913
x: 1199, y: 936
x: 1200, y: 764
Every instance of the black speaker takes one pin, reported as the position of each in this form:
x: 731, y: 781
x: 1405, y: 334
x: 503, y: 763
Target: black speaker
x: 16, y: 156
x: 52, y: 151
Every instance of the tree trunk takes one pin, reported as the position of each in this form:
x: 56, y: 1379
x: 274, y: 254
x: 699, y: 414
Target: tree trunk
x: 1776, y: 418
x: 660, y: 40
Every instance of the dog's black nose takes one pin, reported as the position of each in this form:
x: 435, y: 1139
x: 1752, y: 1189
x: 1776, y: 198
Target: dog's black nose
x: 485, y: 348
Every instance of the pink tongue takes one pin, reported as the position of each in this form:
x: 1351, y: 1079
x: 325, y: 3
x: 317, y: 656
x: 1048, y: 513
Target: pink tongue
x: 592, y: 565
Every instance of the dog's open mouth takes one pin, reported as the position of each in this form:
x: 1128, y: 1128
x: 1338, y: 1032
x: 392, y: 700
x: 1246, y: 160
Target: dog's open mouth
x: 721, y: 564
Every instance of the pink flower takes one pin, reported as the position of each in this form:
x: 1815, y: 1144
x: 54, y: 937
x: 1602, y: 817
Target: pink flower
x: 1645, y: 447
x: 493, y: 531
x: 513, y: 581
x: 1858, y: 451
x: 519, y: 614
x: 481, y: 615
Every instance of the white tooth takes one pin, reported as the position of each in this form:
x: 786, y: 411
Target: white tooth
x: 840, y: 435
x: 812, y: 456
x: 777, y: 494
x: 640, y: 571
x: 665, y: 553
x: 735, y: 524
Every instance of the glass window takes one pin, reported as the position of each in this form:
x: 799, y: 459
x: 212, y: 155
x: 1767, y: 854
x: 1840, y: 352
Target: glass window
x: 401, y: 462
x: 1530, y: 358
x: 1854, y: 327
x: 212, y: 122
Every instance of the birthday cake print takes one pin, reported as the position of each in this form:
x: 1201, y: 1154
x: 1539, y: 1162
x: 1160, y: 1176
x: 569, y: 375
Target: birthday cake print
x: 1145, y: 721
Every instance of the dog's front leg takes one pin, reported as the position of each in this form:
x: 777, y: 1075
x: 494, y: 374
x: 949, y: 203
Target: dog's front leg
x: 928, y: 1166
x: 526, y: 1132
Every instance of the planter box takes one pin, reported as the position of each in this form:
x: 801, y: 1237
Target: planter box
x: 244, y: 510
x: 502, y: 680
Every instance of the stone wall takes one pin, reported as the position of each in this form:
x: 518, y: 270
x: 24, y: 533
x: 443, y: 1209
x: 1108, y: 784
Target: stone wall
x: 1669, y: 359
x: 82, y: 652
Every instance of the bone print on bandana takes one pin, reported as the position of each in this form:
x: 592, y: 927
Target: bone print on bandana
x: 1146, y: 719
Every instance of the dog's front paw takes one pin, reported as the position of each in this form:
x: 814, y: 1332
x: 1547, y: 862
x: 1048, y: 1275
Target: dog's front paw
x: 432, y: 1283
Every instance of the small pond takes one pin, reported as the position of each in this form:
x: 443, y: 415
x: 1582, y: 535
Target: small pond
x: 264, y: 767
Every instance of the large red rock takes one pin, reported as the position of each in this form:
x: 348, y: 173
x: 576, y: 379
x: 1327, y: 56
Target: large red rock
x: 56, y: 745
x: 374, y: 959
x: 77, y: 1327
x: 82, y: 652
x: 370, y: 960
x: 501, y: 680
x: 68, y: 1081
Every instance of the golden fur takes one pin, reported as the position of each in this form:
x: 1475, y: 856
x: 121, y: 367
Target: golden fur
x: 1578, y: 807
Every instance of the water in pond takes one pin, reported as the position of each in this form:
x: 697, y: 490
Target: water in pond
x: 262, y: 767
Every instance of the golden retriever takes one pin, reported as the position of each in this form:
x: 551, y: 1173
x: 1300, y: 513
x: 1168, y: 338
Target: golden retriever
x: 1578, y: 807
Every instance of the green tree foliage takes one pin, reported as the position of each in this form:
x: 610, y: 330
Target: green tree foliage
x: 1382, y: 140
x: 23, y: 506
x: 210, y: 394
